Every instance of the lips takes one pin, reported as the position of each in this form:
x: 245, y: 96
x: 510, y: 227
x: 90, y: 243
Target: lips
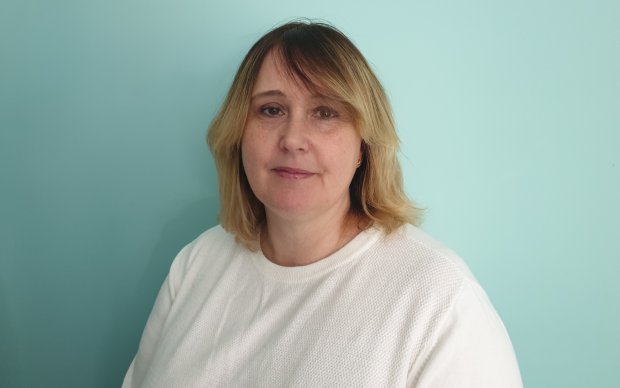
x: 292, y: 173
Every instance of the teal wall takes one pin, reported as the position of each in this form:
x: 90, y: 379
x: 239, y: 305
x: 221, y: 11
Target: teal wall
x: 509, y: 113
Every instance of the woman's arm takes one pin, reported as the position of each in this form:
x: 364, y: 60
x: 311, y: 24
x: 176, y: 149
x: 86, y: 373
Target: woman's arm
x: 471, y: 349
x: 156, y: 321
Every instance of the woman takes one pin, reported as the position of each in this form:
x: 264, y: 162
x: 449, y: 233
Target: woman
x: 316, y: 276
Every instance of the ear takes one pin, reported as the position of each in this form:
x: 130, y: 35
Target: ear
x: 360, y: 156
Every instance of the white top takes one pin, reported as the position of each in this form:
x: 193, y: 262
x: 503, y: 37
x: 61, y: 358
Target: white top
x: 383, y: 311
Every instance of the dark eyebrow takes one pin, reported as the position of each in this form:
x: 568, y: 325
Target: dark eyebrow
x: 269, y: 93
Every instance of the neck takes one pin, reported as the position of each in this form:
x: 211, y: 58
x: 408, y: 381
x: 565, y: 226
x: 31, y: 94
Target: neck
x: 294, y: 243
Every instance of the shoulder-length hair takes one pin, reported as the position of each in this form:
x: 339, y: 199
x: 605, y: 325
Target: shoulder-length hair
x: 326, y: 61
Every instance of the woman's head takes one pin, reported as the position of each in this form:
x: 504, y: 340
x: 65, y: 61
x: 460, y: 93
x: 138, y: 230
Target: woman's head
x: 327, y: 64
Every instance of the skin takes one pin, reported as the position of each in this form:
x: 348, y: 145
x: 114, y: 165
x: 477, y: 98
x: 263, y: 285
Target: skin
x: 300, y: 152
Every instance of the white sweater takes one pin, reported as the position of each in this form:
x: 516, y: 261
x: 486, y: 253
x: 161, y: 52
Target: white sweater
x: 384, y: 311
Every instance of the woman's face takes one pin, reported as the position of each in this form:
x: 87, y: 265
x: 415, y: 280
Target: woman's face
x: 299, y: 149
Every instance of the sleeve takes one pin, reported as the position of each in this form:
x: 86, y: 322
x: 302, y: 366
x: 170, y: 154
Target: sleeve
x: 472, y: 348
x: 156, y: 321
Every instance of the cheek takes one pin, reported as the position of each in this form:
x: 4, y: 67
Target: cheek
x: 249, y: 148
x: 347, y: 151
x: 247, y: 156
x: 249, y: 163
x: 254, y: 155
x: 342, y: 161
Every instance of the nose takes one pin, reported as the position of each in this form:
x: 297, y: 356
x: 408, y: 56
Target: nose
x: 294, y: 135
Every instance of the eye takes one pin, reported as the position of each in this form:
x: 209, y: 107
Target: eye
x: 325, y: 112
x: 271, y: 111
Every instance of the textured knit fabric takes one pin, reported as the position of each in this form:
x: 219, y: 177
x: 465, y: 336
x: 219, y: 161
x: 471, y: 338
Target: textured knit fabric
x: 383, y: 311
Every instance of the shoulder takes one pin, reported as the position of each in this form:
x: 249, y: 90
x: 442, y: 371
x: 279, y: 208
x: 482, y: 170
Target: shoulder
x: 212, y: 239
x: 469, y: 347
x: 417, y: 275
x: 455, y: 314
x: 211, y: 247
x: 421, y: 261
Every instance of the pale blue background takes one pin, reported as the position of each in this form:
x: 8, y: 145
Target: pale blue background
x: 509, y: 114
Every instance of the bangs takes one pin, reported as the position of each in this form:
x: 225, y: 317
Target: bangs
x: 314, y: 57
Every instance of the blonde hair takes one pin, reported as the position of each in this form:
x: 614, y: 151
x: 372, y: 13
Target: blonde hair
x: 326, y: 61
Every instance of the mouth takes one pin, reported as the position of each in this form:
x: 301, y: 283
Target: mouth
x: 292, y: 173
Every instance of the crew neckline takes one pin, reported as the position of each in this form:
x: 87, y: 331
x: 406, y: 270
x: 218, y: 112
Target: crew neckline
x: 352, y: 250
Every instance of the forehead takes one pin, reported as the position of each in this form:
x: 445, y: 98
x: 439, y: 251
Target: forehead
x: 275, y: 75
